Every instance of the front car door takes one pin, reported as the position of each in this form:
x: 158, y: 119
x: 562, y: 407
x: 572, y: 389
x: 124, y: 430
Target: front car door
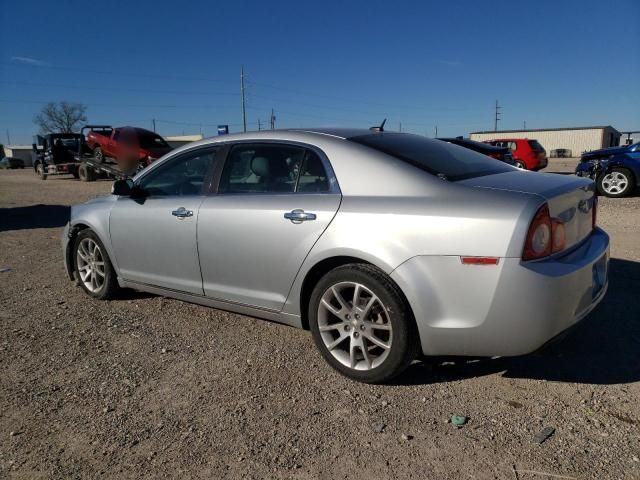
x: 154, y: 234
x: 273, y: 202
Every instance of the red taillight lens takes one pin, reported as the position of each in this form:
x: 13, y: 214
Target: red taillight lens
x: 594, y: 212
x: 538, y: 243
x: 546, y: 235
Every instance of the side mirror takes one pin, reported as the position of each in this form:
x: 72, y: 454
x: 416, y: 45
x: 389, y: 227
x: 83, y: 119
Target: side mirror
x: 122, y: 188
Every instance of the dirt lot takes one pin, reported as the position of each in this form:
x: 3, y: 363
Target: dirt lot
x: 147, y: 387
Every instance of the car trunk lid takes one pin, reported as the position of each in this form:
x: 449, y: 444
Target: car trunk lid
x: 570, y: 199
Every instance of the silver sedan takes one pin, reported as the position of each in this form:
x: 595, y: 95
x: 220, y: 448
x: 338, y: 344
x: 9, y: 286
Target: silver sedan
x: 385, y: 245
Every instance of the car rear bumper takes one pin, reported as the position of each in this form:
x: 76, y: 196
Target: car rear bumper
x: 508, y: 309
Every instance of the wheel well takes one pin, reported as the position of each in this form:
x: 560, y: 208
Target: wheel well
x: 73, y: 233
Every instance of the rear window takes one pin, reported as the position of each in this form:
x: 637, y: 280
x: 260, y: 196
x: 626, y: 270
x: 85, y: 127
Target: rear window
x: 152, y: 141
x: 434, y: 156
x: 535, y: 145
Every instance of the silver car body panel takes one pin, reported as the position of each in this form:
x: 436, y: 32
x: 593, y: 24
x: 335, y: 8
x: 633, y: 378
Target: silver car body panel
x: 239, y: 253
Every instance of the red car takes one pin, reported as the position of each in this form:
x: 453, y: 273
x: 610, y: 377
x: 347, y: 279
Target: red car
x: 527, y: 154
x: 127, y: 145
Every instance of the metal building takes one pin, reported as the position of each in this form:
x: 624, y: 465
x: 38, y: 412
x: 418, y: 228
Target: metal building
x: 577, y: 140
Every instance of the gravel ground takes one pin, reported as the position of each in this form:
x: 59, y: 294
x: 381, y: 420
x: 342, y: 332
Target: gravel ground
x: 148, y: 387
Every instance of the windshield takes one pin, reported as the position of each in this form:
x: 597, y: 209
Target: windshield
x: 434, y: 156
x: 152, y: 141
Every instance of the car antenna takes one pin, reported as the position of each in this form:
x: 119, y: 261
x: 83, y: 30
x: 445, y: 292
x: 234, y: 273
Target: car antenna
x: 380, y: 128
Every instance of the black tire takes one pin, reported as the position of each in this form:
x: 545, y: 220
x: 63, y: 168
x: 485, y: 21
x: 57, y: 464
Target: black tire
x: 404, y: 345
x: 40, y: 171
x: 86, y: 173
x: 98, y: 154
x: 618, y: 173
x: 110, y: 287
x: 75, y: 173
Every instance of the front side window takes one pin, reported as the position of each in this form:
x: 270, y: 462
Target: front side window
x: 152, y: 141
x: 181, y: 176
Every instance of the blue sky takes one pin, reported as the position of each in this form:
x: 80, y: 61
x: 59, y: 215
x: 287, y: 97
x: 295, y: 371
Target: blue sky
x: 348, y: 63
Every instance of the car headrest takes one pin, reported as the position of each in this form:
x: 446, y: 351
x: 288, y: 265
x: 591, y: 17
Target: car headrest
x: 269, y: 167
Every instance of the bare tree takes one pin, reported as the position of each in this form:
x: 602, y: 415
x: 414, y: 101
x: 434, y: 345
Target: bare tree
x: 63, y: 117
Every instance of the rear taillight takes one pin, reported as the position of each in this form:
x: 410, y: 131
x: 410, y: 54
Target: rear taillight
x: 546, y: 235
x: 539, y: 238
x: 594, y: 212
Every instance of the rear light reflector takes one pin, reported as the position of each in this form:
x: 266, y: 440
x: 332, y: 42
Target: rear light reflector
x: 479, y: 260
x: 559, y: 236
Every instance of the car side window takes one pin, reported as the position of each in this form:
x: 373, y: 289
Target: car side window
x: 313, y: 176
x: 261, y: 168
x: 180, y: 176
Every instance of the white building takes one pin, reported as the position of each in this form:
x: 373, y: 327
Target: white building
x: 17, y: 151
x: 578, y: 140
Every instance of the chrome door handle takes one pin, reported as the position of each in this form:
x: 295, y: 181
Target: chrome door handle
x: 182, y: 213
x: 298, y: 216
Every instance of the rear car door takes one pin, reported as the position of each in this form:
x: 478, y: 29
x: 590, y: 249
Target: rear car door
x: 273, y: 202
x: 154, y: 235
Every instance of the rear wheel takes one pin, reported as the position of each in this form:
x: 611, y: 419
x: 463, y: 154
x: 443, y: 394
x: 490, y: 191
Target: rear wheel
x: 93, y: 268
x: 521, y: 165
x: 617, y: 183
x: 361, y: 323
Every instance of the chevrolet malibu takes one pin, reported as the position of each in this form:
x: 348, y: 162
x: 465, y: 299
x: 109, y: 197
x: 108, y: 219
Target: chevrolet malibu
x: 384, y: 245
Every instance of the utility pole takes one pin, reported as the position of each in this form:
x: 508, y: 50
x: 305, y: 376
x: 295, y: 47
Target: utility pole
x: 259, y: 126
x: 154, y: 125
x: 400, y: 126
x: 524, y: 125
x: 244, y: 113
x: 273, y: 120
x: 497, y: 118
x: 8, y: 138
x: 436, y: 131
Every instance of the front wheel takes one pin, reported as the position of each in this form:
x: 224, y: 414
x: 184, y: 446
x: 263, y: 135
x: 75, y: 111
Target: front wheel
x: 93, y: 267
x: 362, y: 324
x: 616, y: 183
x: 40, y: 171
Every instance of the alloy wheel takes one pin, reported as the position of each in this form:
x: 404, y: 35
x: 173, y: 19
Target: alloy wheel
x: 614, y: 183
x: 90, y: 262
x: 354, y: 325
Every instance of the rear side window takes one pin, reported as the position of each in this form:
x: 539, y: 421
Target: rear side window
x: 434, y: 156
x: 535, y: 145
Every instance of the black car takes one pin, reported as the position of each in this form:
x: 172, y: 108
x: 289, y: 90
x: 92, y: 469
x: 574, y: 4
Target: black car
x: 499, y: 153
x: 11, y: 163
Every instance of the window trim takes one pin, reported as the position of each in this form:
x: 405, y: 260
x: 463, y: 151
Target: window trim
x: 208, y: 177
x: 334, y: 187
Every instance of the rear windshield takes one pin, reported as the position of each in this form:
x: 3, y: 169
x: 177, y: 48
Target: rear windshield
x: 535, y: 145
x: 152, y: 141
x: 434, y: 156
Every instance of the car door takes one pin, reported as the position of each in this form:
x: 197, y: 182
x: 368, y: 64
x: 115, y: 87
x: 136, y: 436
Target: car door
x: 273, y: 202
x: 154, y: 232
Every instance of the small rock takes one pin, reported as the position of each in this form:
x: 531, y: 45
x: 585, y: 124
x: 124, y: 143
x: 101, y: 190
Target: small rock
x: 379, y: 427
x: 5, y: 269
x: 13, y: 434
x: 635, y: 458
x: 543, y: 435
x: 163, y: 351
x: 406, y: 437
x: 384, y: 403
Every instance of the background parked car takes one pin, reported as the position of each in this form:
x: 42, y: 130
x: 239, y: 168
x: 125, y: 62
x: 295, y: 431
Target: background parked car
x: 619, y: 167
x: 560, y: 153
x: 499, y: 153
x: 11, y: 163
x: 127, y: 145
x: 528, y: 154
